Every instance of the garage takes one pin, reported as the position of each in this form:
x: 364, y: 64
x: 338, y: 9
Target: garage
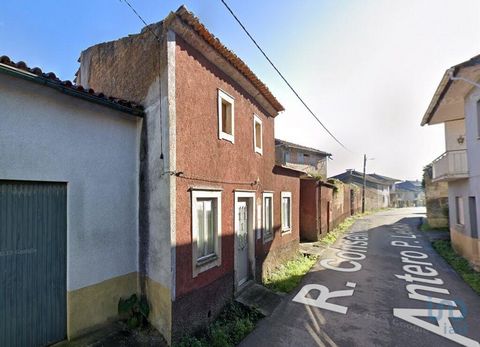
x: 33, y: 229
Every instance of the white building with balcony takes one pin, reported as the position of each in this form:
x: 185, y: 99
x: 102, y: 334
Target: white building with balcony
x: 456, y: 104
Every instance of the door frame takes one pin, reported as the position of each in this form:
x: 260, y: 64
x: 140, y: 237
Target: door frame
x: 250, y: 195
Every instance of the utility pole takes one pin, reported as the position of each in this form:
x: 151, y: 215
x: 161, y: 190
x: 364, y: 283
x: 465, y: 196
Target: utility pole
x: 364, y: 182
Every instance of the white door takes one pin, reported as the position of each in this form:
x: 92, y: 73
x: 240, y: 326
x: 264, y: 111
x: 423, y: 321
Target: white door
x: 242, y: 242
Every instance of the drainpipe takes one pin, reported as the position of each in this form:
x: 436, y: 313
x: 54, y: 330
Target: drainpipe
x: 453, y: 78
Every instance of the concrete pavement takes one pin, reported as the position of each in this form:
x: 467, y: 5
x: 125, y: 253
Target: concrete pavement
x: 382, y: 284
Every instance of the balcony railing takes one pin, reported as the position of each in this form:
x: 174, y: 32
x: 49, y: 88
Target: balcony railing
x: 451, y: 165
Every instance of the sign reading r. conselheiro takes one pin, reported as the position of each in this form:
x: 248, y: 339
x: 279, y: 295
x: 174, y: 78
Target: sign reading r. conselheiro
x: 421, y: 277
x: 347, y: 259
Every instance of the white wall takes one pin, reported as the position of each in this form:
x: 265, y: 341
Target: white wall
x: 48, y: 136
x: 471, y: 186
x: 453, y: 130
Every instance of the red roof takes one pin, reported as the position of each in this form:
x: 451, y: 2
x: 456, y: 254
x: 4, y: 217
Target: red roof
x: 76, y: 90
x: 189, y: 18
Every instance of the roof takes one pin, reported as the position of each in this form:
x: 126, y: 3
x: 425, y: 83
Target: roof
x: 189, y: 18
x: 278, y: 169
x: 414, y: 186
x: 445, y: 85
x: 384, y: 178
x: 21, y: 70
x: 279, y: 142
x: 347, y: 175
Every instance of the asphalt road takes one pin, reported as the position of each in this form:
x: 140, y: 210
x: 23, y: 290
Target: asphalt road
x: 374, y: 307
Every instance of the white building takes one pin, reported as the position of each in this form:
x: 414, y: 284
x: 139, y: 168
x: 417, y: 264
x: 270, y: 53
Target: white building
x: 69, y: 173
x: 456, y: 104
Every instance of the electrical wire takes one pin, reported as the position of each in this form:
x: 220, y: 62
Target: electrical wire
x: 283, y: 77
x: 159, y: 41
x: 180, y: 174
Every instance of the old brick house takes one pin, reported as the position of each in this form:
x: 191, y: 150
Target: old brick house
x: 215, y: 210
x: 302, y: 158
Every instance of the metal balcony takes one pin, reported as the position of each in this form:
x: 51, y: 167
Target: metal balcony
x: 450, y: 166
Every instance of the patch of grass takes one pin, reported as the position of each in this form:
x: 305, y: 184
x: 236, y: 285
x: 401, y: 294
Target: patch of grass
x: 234, y: 323
x: 426, y: 227
x: 333, y: 235
x: 461, y: 265
x: 286, y: 277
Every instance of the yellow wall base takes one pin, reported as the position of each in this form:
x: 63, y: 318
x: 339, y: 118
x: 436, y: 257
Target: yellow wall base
x: 91, y: 306
x: 467, y: 247
x: 159, y: 298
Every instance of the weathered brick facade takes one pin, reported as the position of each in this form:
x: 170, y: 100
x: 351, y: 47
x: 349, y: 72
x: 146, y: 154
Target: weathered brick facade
x: 178, y: 81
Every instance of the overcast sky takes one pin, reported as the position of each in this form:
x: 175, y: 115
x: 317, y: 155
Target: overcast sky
x: 368, y: 68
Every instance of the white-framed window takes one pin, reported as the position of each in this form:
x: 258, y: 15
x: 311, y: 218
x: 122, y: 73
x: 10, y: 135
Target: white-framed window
x: 478, y: 119
x: 286, y: 206
x: 226, y: 116
x: 206, y: 230
x: 459, y: 210
x: 257, y: 134
x: 267, y: 217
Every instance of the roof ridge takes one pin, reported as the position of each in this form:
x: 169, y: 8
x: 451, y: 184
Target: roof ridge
x: 194, y: 22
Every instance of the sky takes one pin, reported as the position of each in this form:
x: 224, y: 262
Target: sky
x: 368, y: 68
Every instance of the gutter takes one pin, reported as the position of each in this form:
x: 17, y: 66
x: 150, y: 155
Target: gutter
x: 442, y: 89
x: 68, y: 91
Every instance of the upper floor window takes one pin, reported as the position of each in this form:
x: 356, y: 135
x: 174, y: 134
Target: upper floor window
x: 478, y: 119
x: 226, y: 116
x: 267, y: 217
x: 257, y: 134
x: 286, y: 211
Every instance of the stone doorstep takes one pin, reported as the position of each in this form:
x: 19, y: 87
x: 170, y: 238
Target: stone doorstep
x: 257, y: 296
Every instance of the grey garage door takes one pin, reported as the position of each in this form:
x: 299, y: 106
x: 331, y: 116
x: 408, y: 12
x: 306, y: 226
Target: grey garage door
x: 32, y: 263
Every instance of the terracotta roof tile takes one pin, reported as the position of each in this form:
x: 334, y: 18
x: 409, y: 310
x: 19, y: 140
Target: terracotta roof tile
x: 51, y: 77
x: 189, y: 18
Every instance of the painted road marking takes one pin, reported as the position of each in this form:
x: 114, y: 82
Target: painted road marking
x: 416, y: 263
x: 323, y: 296
x: 354, y: 245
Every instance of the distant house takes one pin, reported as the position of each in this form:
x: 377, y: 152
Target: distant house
x: 309, y: 160
x: 456, y: 105
x: 216, y: 210
x: 391, y: 185
x: 407, y: 194
x: 377, y: 192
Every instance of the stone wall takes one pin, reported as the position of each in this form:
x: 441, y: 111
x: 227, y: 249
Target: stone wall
x: 436, y: 196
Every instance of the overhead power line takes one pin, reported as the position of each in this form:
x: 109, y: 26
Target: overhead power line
x: 159, y: 41
x: 283, y: 77
x: 263, y: 53
x: 141, y: 18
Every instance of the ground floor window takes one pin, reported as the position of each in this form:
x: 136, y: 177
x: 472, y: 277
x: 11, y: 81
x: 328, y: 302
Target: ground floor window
x: 459, y: 209
x: 206, y: 230
x: 267, y: 217
x: 286, y: 211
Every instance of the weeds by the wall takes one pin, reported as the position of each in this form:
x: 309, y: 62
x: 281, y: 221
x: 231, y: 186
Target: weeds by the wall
x: 461, y: 265
x: 234, y: 323
x: 286, y: 277
x: 333, y: 235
